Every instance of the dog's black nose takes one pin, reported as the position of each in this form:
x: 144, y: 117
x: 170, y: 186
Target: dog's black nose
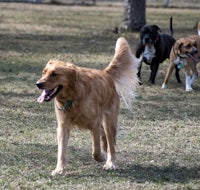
x: 40, y: 85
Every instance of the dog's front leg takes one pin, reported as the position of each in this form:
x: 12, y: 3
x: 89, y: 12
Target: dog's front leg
x: 139, y: 52
x: 154, y: 68
x: 139, y: 73
x: 62, y: 140
x: 193, y: 78
x: 168, y: 74
x: 195, y: 72
x: 188, y: 83
x: 189, y: 79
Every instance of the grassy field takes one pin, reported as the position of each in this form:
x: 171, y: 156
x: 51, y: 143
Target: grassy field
x: 158, y: 146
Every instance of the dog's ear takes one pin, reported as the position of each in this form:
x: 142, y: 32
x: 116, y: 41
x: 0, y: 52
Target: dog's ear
x: 193, y: 42
x: 157, y: 29
x: 70, y: 70
x: 177, y: 47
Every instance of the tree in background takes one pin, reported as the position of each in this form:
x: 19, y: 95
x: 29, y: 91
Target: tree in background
x: 167, y: 3
x: 134, y: 15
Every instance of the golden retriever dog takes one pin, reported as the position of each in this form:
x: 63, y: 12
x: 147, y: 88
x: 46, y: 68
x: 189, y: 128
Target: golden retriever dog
x: 90, y: 99
x: 186, y: 54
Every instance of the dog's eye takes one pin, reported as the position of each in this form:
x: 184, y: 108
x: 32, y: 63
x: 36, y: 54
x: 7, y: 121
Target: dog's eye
x: 53, y: 74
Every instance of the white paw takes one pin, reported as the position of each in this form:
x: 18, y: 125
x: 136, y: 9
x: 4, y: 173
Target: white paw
x: 110, y: 166
x: 164, y: 86
x: 189, y: 89
x: 58, y: 171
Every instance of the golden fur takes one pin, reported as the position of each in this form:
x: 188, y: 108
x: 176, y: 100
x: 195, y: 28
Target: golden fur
x: 186, y: 54
x: 90, y: 99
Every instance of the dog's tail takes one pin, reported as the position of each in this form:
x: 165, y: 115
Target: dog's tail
x: 123, y: 70
x: 171, y: 26
x: 198, y: 28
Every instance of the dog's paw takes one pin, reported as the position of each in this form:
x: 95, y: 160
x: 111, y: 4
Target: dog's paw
x: 110, y: 166
x: 164, y: 86
x: 189, y: 89
x: 99, y: 157
x: 57, y: 172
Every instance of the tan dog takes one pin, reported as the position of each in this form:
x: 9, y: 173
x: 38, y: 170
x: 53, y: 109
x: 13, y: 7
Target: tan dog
x: 186, y: 54
x: 90, y: 99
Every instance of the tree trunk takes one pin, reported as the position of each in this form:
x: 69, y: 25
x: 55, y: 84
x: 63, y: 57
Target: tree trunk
x: 134, y: 15
x: 167, y: 3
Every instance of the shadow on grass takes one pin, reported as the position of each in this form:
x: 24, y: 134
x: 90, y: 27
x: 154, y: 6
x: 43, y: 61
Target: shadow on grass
x: 172, y: 173
x: 27, y: 154
x: 39, y: 155
x: 24, y: 43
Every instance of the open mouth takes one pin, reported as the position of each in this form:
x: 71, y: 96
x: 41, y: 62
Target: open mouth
x: 191, y: 56
x: 48, y: 95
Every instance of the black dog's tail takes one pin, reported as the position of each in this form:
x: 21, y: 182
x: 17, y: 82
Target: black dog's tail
x: 171, y: 26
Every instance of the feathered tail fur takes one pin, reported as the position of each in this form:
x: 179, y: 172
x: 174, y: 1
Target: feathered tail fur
x: 123, y: 70
x: 198, y: 28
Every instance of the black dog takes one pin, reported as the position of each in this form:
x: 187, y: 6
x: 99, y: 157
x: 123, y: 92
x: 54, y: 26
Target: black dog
x: 155, y: 48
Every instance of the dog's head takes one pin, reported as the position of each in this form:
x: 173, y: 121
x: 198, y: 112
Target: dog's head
x: 149, y: 35
x: 57, y: 76
x: 185, y: 47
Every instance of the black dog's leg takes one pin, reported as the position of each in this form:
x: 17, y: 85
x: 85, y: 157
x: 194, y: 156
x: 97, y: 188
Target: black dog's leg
x: 139, y: 74
x: 177, y: 74
x: 154, y: 69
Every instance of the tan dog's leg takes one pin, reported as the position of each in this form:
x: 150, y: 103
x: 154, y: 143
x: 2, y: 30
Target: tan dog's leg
x: 187, y: 78
x: 190, y: 78
x: 168, y: 74
x: 104, y: 140
x: 96, y: 145
x: 62, y: 139
x: 110, y: 131
x: 195, y: 72
x: 194, y: 68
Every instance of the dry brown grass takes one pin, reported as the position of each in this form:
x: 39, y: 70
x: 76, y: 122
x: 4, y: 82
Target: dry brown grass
x: 158, y: 147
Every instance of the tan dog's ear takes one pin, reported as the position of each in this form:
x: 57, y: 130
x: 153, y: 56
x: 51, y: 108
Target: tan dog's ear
x: 177, y: 47
x: 193, y: 42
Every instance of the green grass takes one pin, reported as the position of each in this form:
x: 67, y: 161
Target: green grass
x: 158, y: 146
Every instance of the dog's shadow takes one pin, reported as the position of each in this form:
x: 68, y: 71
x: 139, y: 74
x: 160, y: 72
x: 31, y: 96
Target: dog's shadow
x: 158, y: 174
x: 38, y: 155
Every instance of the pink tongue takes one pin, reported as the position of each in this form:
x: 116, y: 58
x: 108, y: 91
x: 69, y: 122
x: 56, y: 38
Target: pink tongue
x: 192, y: 57
x: 42, y: 97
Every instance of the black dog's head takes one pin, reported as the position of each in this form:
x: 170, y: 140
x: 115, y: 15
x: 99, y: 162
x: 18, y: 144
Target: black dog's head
x: 149, y: 34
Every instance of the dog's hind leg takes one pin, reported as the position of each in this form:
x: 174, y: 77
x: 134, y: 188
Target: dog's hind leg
x: 110, y: 128
x: 104, y: 141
